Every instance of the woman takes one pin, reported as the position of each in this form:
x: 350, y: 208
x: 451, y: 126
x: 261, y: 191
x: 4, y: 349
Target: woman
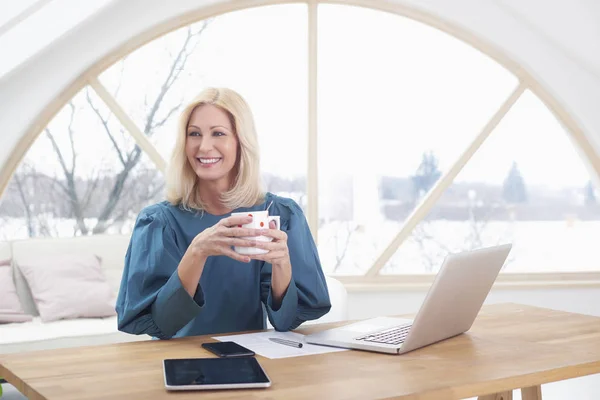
x: 181, y: 275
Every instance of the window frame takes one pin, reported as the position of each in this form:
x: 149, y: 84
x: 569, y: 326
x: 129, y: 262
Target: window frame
x: 371, y: 278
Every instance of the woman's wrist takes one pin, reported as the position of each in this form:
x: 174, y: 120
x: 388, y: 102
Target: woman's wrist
x: 190, y: 269
x: 197, y: 253
x: 285, y: 265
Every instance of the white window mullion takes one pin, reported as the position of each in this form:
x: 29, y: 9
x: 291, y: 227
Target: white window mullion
x: 139, y: 137
x: 421, y: 211
x: 312, y: 181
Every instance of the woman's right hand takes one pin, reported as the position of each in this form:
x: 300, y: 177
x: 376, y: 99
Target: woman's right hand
x: 219, y: 238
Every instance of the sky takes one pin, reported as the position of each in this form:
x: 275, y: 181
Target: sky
x: 389, y: 89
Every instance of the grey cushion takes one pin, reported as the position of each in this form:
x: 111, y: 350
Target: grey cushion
x: 23, y: 291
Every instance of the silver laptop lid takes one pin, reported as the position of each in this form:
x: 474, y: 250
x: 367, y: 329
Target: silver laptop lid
x: 456, y: 295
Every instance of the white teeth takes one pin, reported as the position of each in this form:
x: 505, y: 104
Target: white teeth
x: 208, y: 160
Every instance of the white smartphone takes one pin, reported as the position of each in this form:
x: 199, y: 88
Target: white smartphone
x: 214, y: 373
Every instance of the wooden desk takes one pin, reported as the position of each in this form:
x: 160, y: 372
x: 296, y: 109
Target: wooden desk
x: 510, y: 346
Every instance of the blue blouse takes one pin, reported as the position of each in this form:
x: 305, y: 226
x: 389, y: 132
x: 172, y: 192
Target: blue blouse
x: 231, y: 295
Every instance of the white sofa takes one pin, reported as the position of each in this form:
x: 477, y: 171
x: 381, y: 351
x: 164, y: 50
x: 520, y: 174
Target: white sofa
x: 37, y: 335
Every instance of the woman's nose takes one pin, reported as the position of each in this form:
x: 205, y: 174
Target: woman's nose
x: 206, y: 145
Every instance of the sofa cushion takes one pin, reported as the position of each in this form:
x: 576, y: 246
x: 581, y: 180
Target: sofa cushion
x: 24, y: 293
x: 68, y: 286
x: 110, y: 248
x: 10, y: 306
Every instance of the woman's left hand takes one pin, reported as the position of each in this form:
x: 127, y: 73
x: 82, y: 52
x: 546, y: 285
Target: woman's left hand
x: 278, y: 255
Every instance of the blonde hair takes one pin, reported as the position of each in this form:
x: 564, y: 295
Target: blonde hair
x: 182, y: 182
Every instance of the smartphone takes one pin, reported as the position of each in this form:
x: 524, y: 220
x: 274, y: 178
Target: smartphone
x: 228, y: 349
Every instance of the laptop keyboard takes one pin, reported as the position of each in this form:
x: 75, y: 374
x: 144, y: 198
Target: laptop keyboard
x: 395, y: 335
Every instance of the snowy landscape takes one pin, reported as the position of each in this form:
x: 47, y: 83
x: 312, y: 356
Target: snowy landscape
x: 539, y: 246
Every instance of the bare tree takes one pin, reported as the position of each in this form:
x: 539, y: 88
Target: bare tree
x: 69, y: 186
x: 35, y: 195
x: 433, y: 248
x: 430, y: 255
x: 21, y: 186
x: 132, y: 158
x: 341, y: 249
x: 120, y: 187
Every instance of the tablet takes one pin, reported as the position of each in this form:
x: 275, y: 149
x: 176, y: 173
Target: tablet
x: 214, y: 373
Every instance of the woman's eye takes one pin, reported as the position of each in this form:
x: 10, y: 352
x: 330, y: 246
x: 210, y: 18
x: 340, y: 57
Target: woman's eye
x: 194, y: 133
x: 218, y: 133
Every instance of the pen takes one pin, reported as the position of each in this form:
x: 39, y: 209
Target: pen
x: 286, y: 342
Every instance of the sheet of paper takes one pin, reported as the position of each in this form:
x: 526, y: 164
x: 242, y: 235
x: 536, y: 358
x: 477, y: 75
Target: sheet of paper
x: 259, y: 343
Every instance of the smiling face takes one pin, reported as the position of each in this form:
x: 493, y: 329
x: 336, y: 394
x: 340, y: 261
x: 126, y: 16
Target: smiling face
x: 211, y: 145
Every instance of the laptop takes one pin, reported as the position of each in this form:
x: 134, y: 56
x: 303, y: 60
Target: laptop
x: 449, y: 309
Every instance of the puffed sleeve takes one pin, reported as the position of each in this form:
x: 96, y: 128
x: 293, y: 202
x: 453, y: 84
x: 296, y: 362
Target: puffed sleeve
x: 307, y: 297
x: 152, y: 299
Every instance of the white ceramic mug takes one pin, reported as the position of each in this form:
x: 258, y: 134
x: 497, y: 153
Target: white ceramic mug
x: 260, y: 220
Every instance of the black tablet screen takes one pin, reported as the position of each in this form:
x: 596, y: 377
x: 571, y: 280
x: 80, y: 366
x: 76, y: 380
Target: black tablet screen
x: 213, y: 371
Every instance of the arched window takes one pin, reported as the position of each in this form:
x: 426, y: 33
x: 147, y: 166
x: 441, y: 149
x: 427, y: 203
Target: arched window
x: 424, y: 144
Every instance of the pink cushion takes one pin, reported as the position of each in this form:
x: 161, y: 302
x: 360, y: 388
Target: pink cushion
x: 10, y: 306
x: 68, y: 286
